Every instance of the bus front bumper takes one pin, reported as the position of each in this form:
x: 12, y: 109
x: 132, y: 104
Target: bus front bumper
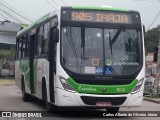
x: 68, y: 99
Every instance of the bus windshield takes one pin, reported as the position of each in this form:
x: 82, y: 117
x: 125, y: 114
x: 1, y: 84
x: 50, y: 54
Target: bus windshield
x: 101, y: 51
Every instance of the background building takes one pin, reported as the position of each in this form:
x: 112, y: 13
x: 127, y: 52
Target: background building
x: 8, y: 32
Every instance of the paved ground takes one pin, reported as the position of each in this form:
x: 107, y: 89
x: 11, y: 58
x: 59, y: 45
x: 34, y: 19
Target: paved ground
x: 11, y: 100
x: 7, y: 81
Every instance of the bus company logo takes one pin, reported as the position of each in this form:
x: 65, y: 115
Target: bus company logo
x: 121, y: 89
x: 108, y: 62
x: 81, y: 88
x: 104, y: 90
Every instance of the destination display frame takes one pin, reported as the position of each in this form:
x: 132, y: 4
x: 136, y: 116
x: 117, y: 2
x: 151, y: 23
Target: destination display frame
x: 100, y: 16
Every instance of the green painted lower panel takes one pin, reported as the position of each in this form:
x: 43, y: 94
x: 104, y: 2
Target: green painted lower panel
x: 24, y: 65
x: 102, y: 89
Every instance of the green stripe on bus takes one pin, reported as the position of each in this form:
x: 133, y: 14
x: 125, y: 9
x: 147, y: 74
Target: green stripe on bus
x: 24, y: 65
x: 97, y: 89
x: 99, y: 8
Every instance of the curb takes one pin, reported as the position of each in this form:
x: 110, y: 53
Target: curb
x: 152, y: 100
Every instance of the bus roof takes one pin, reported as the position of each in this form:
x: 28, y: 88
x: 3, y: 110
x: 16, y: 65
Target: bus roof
x: 100, y: 8
x: 34, y: 24
x: 49, y: 15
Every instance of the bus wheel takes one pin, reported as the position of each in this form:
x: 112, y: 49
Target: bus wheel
x: 45, y: 100
x: 25, y: 96
x: 112, y: 110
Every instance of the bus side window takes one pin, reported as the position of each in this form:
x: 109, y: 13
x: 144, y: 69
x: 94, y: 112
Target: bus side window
x: 19, y: 50
x: 28, y: 44
x: 39, y: 41
x: 24, y: 46
x: 46, y: 39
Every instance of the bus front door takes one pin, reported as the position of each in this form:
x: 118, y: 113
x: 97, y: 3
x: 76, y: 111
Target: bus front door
x: 32, y: 62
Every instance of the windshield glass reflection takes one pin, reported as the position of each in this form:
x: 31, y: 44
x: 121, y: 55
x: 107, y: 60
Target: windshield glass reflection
x: 101, y: 51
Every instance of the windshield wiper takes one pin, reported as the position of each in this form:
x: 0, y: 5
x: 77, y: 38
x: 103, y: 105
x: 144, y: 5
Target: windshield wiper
x: 71, y: 43
x: 112, y: 41
x: 116, y: 36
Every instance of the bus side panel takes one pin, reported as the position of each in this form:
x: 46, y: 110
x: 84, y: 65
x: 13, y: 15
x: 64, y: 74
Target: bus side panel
x: 24, y: 64
x: 22, y: 69
x: 42, y: 72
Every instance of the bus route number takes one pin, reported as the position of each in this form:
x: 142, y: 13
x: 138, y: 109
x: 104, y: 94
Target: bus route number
x: 82, y: 16
x: 100, y: 17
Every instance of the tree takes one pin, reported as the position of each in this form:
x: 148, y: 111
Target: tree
x: 7, y: 53
x: 152, y: 39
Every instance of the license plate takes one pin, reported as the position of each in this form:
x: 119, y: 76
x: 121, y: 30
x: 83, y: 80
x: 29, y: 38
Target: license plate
x: 103, y: 104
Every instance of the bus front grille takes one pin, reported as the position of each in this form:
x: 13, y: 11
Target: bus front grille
x: 93, y: 100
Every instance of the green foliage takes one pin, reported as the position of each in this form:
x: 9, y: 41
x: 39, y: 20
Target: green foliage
x: 152, y: 38
x: 7, y: 53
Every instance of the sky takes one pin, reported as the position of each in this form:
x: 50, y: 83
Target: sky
x: 37, y: 8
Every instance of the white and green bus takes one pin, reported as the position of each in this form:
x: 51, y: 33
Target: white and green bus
x: 83, y: 57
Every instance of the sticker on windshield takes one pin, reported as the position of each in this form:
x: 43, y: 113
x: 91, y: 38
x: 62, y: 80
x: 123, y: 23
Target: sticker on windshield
x: 107, y: 35
x: 65, y: 30
x: 99, y: 70
x: 98, y: 34
x: 126, y: 63
x: 90, y: 70
x: 108, y: 62
x: 108, y: 70
x: 95, y: 61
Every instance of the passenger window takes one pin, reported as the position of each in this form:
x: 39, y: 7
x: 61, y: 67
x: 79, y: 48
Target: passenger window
x: 28, y: 42
x: 24, y: 46
x: 45, y: 41
x: 40, y: 39
x: 19, y: 50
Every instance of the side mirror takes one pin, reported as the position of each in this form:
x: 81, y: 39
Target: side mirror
x: 55, y: 35
x: 144, y: 30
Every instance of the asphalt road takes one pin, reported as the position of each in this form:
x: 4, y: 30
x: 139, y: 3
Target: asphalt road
x: 11, y: 100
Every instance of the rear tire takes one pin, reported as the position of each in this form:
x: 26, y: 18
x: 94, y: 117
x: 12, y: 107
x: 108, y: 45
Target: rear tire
x: 25, y: 96
x: 112, y: 110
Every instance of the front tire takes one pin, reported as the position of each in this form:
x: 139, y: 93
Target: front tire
x: 112, y: 110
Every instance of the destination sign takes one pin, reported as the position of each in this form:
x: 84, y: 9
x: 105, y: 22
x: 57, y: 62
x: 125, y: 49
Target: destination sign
x: 101, y: 16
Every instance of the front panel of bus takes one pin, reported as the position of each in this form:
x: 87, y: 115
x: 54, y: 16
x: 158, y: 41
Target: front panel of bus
x: 101, y: 53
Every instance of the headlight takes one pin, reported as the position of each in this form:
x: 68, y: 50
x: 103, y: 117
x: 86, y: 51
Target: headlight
x: 138, y: 86
x: 66, y: 85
